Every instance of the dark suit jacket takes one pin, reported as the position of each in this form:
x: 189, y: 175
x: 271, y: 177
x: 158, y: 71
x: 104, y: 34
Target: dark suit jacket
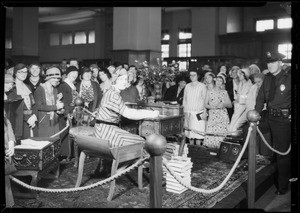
x: 171, y: 94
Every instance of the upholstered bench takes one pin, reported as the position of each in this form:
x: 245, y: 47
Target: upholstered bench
x: 90, y: 145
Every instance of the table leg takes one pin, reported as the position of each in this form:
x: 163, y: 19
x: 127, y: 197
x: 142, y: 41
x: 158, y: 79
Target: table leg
x: 34, y: 177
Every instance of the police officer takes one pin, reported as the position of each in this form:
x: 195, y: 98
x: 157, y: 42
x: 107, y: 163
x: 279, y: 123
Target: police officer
x: 276, y: 93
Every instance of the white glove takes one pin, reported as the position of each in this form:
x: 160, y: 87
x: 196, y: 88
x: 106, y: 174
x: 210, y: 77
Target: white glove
x: 31, y: 121
x: 59, y: 105
x: 59, y: 96
x: 11, y: 149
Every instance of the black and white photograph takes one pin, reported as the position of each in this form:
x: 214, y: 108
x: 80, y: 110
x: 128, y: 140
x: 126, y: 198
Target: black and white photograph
x: 150, y: 106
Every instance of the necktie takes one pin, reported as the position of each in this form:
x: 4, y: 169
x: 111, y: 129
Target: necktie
x: 272, y: 88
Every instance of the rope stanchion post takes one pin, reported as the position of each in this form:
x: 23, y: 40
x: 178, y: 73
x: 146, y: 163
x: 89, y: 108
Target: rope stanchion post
x: 156, y: 146
x: 253, y: 117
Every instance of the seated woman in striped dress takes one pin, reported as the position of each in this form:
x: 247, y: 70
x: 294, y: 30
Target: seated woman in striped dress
x: 111, y: 108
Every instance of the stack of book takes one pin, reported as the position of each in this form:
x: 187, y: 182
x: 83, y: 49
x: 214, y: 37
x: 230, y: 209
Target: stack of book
x: 172, y: 151
x: 182, y: 166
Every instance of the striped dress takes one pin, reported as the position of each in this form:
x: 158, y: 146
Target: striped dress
x: 193, y: 103
x: 110, y: 110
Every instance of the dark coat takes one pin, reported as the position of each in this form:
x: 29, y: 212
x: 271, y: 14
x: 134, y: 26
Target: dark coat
x: 229, y: 88
x: 130, y: 94
x: 46, y: 127
x: 171, y: 94
x: 12, y: 95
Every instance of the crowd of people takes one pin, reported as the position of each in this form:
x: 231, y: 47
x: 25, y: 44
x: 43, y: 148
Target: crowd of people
x: 212, y: 100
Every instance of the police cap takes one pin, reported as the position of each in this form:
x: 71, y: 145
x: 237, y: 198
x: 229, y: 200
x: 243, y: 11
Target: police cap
x: 274, y: 56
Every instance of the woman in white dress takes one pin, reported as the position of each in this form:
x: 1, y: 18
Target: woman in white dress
x: 194, y: 111
x: 240, y: 103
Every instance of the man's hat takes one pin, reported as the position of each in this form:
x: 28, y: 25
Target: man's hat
x: 274, y: 56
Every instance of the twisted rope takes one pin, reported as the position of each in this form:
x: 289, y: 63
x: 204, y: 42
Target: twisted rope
x: 271, y: 148
x: 209, y: 191
x: 213, y: 133
x: 61, y: 131
x: 82, y: 188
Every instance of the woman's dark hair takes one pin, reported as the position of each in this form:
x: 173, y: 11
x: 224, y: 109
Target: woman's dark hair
x: 35, y: 64
x: 227, y: 68
x: 18, y: 67
x: 105, y: 70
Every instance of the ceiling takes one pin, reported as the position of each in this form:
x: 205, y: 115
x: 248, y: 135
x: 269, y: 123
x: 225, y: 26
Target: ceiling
x: 52, y: 14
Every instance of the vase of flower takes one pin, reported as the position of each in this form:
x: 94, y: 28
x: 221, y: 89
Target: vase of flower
x: 158, y: 90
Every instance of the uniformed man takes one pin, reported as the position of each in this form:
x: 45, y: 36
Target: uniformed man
x: 276, y: 93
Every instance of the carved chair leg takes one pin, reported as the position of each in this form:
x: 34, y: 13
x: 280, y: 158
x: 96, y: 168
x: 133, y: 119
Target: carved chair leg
x: 113, y: 183
x: 80, y: 169
x: 140, y: 177
x: 75, y: 153
x: 70, y: 141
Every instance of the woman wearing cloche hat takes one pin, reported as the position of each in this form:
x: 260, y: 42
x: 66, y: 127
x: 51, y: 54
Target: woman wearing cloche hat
x: 68, y: 90
x: 27, y: 110
x: 240, y: 102
x: 48, y: 103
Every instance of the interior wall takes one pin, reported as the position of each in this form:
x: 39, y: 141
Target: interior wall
x: 234, y: 20
x: 98, y: 50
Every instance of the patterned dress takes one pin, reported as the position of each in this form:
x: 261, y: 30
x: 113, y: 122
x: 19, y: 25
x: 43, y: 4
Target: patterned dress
x: 218, y: 119
x: 111, y: 108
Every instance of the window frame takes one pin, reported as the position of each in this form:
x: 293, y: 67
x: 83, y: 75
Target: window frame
x: 80, y: 31
x: 59, y: 39
x: 72, y: 38
x: 284, y: 18
x: 265, y: 19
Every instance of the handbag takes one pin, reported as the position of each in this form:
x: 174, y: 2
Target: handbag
x: 9, y: 167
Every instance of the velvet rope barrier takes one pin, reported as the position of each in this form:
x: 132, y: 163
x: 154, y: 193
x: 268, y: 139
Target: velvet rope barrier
x: 82, y: 188
x: 271, y: 148
x: 209, y: 191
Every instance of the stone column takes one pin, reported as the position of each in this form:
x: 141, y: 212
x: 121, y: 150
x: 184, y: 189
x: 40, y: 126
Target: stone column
x: 136, y: 34
x: 25, y: 38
